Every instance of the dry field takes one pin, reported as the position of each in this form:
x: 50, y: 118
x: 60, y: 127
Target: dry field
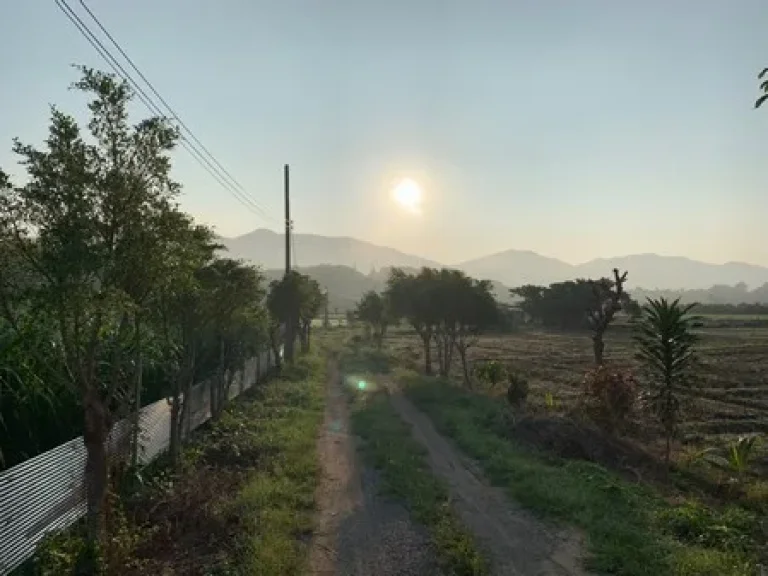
x: 731, y: 397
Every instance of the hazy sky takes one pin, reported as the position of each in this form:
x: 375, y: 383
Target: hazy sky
x: 574, y: 129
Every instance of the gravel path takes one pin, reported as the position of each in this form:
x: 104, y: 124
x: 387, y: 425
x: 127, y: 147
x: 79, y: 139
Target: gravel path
x: 358, y: 532
x: 517, y: 543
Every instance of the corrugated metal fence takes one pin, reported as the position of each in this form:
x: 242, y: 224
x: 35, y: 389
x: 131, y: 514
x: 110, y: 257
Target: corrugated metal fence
x: 47, y: 492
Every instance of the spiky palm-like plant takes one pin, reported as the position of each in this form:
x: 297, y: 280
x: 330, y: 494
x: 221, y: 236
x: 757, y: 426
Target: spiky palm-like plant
x: 666, y: 345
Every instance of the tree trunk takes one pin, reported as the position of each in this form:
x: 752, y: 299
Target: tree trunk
x: 95, y: 431
x: 174, y: 448
x: 464, y: 365
x: 290, y: 336
x: 218, y: 387
x: 598, y: 347
x: 426, y: 338
x: 137, y: 394
x: 448, y: 345
x: 440, y: 359
x: 309, y: 336
x: 304, y: 338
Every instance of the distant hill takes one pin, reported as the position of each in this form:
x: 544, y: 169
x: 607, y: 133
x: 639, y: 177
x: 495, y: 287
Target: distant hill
x: 650, y: 271
x: 518, y: 267
x: 734, y: 295
x: 336, y: 258
x: 267, y: 248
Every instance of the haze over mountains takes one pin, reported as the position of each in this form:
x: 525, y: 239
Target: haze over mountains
x: 511, y: 267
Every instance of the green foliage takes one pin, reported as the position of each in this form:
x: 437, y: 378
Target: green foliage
x: 733, y: 530
x: 374, y: 309
x: 517, y: 390
x: 740, y: 455
x: 277, y: 502
x: 492, y: 373
x: 566, y: 305
x: 447, y: 308
x: 390, y: 448
x: 106, y: 287
x: 629, y: 528
x: 608, y: 397
x: 293, y: 300
x: 550, y: 402
x: 763, y: 88
x: 666, y: 344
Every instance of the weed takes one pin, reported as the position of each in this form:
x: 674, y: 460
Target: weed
x: 390, y: 448
x: 628, y: 533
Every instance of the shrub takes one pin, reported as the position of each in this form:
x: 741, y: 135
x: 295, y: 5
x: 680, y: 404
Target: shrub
x: 608, y: 397
x: 492, y: 373
x: 517, y: 390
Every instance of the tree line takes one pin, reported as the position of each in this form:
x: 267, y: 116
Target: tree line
x: 111, y: 297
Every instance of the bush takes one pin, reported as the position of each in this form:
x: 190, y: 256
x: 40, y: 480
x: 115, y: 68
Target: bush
x: 608, y: 397
x: 491, y: 373
x: 517, y: 391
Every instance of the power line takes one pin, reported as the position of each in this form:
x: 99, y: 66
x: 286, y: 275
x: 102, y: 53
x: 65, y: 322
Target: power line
x: 117, y: 45
x: 198, y: 156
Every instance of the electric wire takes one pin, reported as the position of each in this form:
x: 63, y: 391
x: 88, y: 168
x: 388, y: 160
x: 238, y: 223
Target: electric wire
x: 201, y: 159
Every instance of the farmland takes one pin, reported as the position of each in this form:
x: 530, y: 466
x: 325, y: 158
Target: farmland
x: 732, y: 372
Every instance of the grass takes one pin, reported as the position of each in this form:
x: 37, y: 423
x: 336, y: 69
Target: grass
x: 239, y: 503
x: 390, y: 448
x: 631, y: 530
x: 275, y: 507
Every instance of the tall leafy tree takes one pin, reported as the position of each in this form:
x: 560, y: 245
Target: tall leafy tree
x: 477, y: 311
x: 666, y: 346
x: 411, y: 296
x: 373, y: 310
x: 82, y: 224
x: 311, y: 301
x: 236, y: 293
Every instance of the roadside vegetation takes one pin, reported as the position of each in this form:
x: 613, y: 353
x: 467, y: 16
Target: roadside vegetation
x: 239, y: 501
x: 609, y: 451
x: 389, y: 447
x: 112, y: 298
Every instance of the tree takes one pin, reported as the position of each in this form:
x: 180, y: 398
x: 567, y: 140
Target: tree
x: 312, y: 299
x: 80, y: 225
x: 373, y: 309
x: 763, y: 88
x: 236, y: 293
x: 666, y: 346
x: 608, y: 298
x: 411, y: 296
x: 294, y: 298
x: 476, y: 311
x: 181, y: 313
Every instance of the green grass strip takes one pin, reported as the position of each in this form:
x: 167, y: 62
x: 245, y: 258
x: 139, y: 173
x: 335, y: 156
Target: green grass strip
x: 390, y: 448
x: 276, y: 505
x: 631, y: 531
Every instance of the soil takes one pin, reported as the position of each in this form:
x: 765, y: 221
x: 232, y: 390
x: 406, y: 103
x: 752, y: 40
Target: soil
x: 517, y: 543
x: 570, y: 439
x: 358, y: 532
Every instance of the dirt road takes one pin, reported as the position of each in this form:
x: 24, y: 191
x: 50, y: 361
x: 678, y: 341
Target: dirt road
x: 516, y: 543
x: 358, y: 532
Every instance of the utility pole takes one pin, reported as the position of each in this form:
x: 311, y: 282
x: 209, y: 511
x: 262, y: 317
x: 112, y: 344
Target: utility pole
x: 326, y: 320
x: 290, y: 321
x: 286, y: 179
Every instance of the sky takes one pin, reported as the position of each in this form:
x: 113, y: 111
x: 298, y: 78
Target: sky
x: 574, y: 129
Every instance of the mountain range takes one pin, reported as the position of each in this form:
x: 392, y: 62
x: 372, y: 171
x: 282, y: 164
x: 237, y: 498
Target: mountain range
x: 511, y: 267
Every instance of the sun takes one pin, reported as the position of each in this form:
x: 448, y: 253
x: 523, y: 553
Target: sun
x: 408, y: 195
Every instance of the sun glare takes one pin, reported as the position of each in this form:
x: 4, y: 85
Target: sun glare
x: 408, y: 195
